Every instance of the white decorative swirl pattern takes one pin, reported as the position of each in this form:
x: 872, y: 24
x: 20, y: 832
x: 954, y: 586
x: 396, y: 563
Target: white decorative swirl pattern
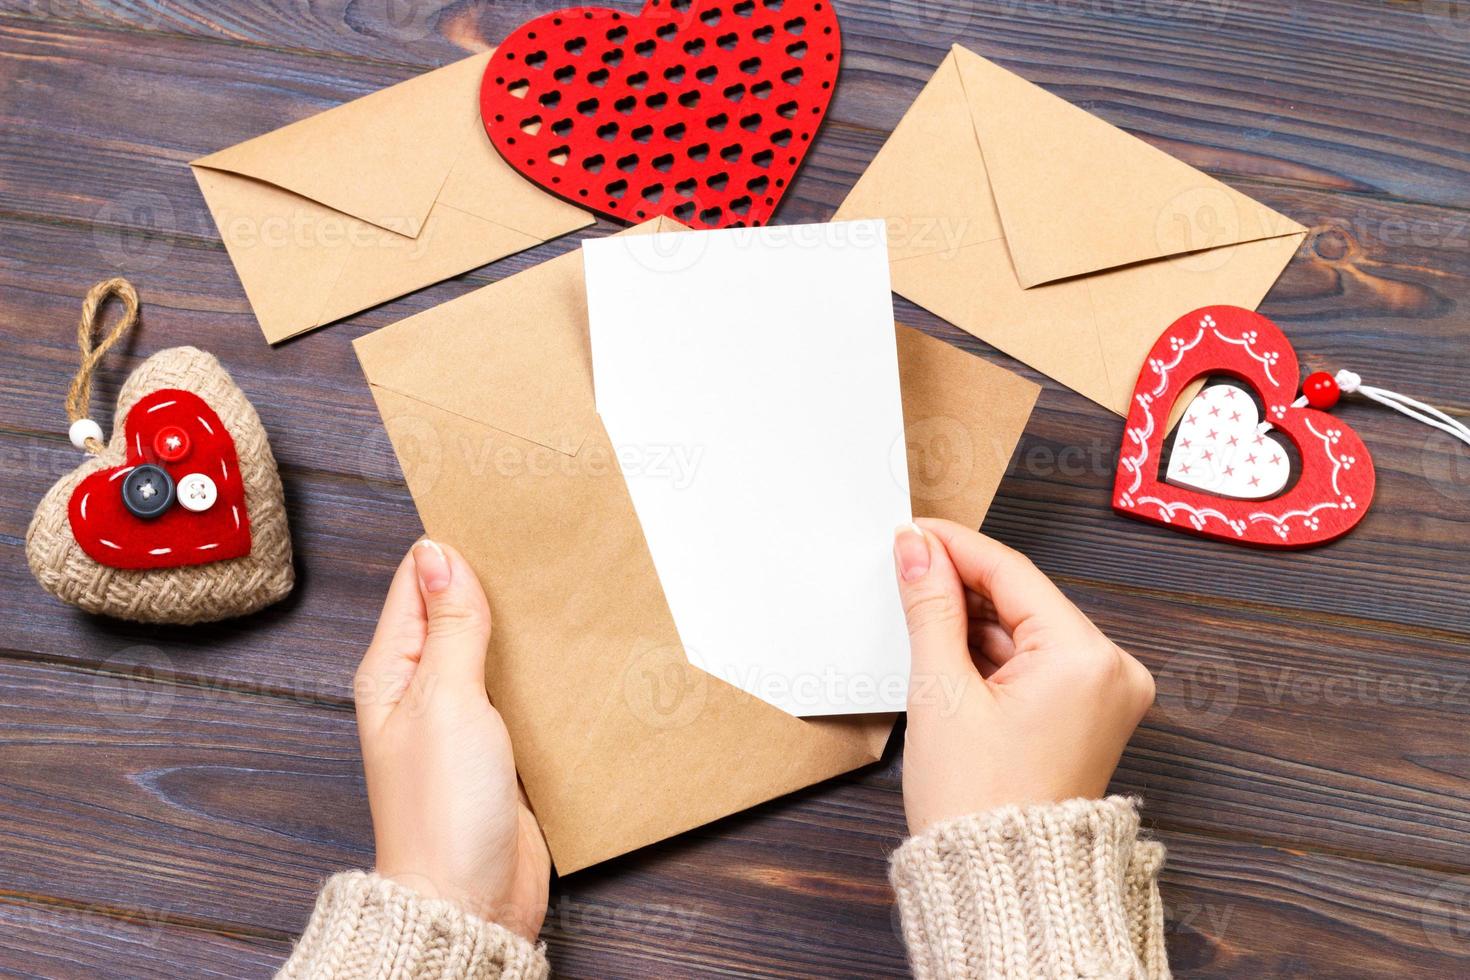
x: 1181, y: 349
x: 1327, y: 449
x: 1197, y: 517
x: 1283, y: 518
x: 1268, y: 360
x: 1141, y: 437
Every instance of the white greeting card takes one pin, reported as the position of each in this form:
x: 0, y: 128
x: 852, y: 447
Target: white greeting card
x: 749, y: 381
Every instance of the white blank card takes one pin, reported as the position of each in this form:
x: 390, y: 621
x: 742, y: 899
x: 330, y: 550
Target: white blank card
x: 749, y: 381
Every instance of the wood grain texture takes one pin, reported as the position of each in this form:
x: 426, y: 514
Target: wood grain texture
x: 173, y: 797
x: 1224, y: 697
x: 1342, y: 309
x: 64, y: 941
x: 223, y: 810
x: 1249, y: 79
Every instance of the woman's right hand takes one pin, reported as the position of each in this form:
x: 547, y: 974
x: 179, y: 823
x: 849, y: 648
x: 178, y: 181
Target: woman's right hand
x: 1016, y: 697
x: 449, y: 818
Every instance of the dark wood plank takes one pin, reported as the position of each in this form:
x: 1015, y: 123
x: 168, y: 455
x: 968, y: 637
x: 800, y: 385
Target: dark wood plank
x: 1246, y: 738
x: 1312, y: 96
x: 1235, y: 910
x: 1262, y: 728
x: 351, y: 526
x: 313, y: 400
x: 1304, y: 761
x: 187, y: 801
x: 252, y: 91
x: 223, y: 811
x: 139, y: 180
x: 1290, y: 915
x: 223, y: 808
x: 1359, y: 256
x: 1361, y: 286
x: 80, y: 943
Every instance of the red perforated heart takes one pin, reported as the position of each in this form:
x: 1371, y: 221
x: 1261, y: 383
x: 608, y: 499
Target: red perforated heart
x: 113, y: 536
x: 697, y: 109
x: 1337, y: 480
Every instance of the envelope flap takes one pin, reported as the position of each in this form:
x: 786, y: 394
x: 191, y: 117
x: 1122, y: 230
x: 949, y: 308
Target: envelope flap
x: 512, y: 356
x: 1077, y: 195
x: 930, y: 157
x: 382, y: 158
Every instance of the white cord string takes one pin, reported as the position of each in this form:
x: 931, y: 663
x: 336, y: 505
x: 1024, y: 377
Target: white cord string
x: 1348, y: 382
x: 1428, y: 414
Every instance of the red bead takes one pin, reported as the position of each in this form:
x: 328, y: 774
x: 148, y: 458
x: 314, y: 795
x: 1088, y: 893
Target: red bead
x: 1321, y: 390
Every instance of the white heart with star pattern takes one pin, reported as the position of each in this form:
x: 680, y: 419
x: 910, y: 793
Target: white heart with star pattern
x: 1219, y: 448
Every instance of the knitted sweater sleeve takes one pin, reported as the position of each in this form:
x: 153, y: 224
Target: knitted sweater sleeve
x: 1047, y: 891
x: 367, y: 928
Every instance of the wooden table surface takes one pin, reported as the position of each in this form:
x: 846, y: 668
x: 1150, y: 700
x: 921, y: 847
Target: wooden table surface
x: 170, y: 799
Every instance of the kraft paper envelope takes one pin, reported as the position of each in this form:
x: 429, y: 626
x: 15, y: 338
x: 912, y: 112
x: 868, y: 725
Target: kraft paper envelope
x: 488, y: 402
x: 1054, y: 236
x: 376, y: 198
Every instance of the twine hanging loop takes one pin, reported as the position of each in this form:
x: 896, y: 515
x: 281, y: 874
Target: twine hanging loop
x: 85, y: 433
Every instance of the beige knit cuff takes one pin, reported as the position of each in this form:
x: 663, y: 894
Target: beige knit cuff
x: 365, y: 926
x: 1044, y: 891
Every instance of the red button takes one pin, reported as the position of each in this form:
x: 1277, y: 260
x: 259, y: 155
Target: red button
x: 171, y: 443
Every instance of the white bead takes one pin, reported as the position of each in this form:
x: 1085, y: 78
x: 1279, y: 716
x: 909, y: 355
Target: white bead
x: 83, y: 429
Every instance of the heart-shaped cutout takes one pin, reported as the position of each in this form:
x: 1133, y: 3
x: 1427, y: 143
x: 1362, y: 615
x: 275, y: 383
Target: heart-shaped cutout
x: 701, y: 110
x: 186, y: 442
x: 1220, y: 447
x: 1336, y: 482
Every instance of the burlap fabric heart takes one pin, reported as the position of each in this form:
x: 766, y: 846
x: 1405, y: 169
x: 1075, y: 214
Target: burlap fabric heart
x: 218, y: 545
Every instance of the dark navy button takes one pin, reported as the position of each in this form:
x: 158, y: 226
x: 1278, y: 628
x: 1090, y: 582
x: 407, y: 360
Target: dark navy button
x: 148, y: 491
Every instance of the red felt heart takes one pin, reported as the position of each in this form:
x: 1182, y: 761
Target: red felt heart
x: 1336, y: 483
x: 111, y: 535
x: 697, y: 109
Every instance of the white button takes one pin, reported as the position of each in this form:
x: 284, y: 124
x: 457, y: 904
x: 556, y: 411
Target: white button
x: 197, y: 492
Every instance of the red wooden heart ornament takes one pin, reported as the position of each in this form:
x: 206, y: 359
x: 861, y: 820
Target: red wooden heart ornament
x: 701, y: 110
x: 179, y: 433
x: 1336, y: 483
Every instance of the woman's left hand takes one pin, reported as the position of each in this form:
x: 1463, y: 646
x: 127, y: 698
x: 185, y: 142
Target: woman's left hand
x: 449, y: 818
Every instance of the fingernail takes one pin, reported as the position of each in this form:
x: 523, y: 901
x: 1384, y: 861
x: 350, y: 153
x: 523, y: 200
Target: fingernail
x: 432, y: 566
x: 911, y: 552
